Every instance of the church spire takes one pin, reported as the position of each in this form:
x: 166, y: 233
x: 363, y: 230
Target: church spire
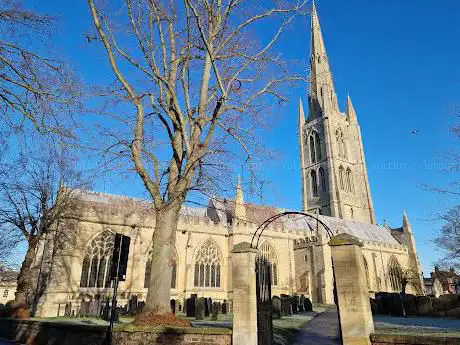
x: 322, y: 94
x: 351, y: 114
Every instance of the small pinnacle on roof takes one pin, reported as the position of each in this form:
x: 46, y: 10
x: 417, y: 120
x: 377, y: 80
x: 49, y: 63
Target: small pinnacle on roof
x: 351, y: 114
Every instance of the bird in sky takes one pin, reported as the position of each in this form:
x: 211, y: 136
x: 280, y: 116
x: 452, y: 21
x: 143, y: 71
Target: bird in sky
x: 89, y: 38
x: 415, y: 131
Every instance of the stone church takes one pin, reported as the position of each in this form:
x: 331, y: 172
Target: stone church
x: 334, y: 185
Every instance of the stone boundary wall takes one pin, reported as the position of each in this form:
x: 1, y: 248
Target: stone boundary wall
x: 34, y: 332
x: 172, y: 336
x: 391, y: 339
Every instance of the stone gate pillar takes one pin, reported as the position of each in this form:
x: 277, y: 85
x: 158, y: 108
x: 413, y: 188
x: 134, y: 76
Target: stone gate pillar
x: 353, y: 298
x: 244, y: 294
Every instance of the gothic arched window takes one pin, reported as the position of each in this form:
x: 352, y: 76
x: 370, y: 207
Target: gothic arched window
x: 148, y: 269
x: 322, y: 180
x: 96, y: 263
x: 312, y: 150
x: 268, y: 253
x: 314, y: 183
x: 207, y: 265
x: 350, y: 187
x: 341, y: 178
x: 395, y: 273
x: 317, y: 146
x: 366, y: 268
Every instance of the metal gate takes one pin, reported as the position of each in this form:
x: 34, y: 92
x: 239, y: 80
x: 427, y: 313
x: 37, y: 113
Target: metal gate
x: 264, y: 301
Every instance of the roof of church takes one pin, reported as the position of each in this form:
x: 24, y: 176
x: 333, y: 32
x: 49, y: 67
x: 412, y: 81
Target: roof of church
x: 257, y: 214
x: 223, y: 211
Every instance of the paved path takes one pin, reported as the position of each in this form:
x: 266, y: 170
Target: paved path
x: 322, y: 330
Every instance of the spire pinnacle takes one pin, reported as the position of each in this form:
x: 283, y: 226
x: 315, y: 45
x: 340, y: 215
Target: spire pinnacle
x: 350, y: 112
x: 301, y: 114
x: 405, y: 219
x: 322, y: 93
x: 240, y: 210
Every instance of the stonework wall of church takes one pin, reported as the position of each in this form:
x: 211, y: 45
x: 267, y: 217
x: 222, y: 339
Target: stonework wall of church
x: 192, y: 233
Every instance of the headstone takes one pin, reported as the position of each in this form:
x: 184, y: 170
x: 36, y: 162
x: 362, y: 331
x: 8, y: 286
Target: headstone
x: 207, y: 307
x: 215, y: 310
x: 295, y: 303
x: 276, y: 307
x: 381, y: 298
x: 199, y: 308
x: 172, y: 304
x: 180, y: 307
x: 93, y: 308
x: 307, y: 305
x: 224, y: 307
x: 68, y: 309
x: 395, y: 305
x: 424, y: 306
x: 410, y: 304
x: 450, y: 301
x: 286, y: 307
x: 438, y: 307
x: 132, y: 309
x: 106, y: 310
x: 190, y: 306
x: 140, y: 306
x: 301, y: 303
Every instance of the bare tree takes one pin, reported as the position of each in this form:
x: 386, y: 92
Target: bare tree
x: 409, y: 277
x: 35, y: 86
x: 32, y: 201
x: 194, y: 80
x: 448, y: 239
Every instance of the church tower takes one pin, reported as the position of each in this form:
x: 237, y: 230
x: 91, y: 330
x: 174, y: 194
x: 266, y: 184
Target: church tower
x: 333, y: 168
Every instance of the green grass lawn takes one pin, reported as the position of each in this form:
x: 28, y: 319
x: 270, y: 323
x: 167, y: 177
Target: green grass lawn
x: 284, y: 329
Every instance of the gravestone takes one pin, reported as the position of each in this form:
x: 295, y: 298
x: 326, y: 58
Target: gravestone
x: 172, y: 304
x: 93, y: 308
x: 207, y: 307
x: 301, y: 303
x: 395, y: 306
x: 132, y: 309
x: 140, y: 306
x: 307, y: 305
x: 84, y: 309
x: 410, y: 304
x: 438, y: 307
x: 199, y: 308
x: 224, y: 307
x: 381, y: 299
x: 424, y: 306
x: 276, y: 307
x: 286, y: 307
x: 106, y: 310
x: 215, y: 310
x: 190, y: 306
x: 68, y: 309
x: 295, y: 303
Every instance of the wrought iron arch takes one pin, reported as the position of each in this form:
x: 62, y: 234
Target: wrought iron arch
x: 261, y: 228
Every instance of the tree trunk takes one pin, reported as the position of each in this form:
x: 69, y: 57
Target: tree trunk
x: 25, y: 278
x: 163, y: 250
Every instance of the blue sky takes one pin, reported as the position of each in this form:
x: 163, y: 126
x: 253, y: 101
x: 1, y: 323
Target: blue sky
x: 398, y: 60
